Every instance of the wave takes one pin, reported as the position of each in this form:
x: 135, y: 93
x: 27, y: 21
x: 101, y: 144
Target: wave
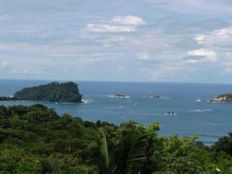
x: 124, y: 97
x: 65, y: 103
x: 87, y: 101
x: 215, y: 102
x: 201, y: 110
x: 214, y: 124
x: 198, y: 100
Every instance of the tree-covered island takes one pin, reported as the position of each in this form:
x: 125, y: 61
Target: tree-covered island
x: 53, y: 92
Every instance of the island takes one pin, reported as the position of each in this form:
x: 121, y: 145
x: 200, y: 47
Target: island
x: 120, y: 95
x: 225, y: 98
x: 52, y: 92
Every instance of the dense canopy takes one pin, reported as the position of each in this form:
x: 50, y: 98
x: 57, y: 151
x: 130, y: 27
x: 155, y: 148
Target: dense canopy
x: 34, y: 139
x: 54, y: 92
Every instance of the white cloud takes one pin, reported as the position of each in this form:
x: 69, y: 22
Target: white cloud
x: 224, y: 32
x: 128, y: 20
x: 217, y: 37
x: 200, y: 39
x: 215, y: 44
x: 25, y: 71
x: 105, y: 28
x: 118, y: 24
x: 210, y: 55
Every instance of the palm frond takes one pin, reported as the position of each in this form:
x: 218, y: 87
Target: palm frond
x: 103, y: 153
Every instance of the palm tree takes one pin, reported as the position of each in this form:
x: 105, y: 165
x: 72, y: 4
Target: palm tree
x: 132, y: 155
x: 103, y: 154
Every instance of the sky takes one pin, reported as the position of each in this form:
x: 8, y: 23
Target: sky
x: 117, y: 40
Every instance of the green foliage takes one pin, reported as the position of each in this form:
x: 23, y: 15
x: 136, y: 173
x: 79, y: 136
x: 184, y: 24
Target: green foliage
x: 34, y: 139
x: 54, y: 92
x: 15, y: 160
x: 103, y: 154
x: 224, y: 145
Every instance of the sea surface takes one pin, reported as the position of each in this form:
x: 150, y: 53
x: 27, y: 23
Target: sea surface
x: 194, y: 115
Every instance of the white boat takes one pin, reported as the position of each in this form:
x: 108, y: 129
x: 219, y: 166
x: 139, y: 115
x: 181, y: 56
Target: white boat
x: 170, y: 113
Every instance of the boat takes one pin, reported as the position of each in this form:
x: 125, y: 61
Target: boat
x: 159, y: 97
x: 170, y: 113
x: 156, y: 96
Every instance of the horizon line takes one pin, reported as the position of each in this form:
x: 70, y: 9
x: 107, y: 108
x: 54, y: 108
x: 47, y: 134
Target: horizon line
x: 111, y: 81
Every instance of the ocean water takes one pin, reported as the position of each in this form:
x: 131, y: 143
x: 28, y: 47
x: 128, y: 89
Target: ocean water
x: 194, y: 115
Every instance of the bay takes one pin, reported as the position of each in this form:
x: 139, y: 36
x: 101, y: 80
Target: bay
x: 194, y: 115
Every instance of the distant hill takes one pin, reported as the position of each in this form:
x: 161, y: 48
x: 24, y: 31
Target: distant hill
x: 53, y: 92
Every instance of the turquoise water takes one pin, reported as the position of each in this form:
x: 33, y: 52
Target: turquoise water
x: 207, y: 120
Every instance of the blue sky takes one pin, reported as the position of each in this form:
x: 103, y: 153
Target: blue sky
x: 123, y: 40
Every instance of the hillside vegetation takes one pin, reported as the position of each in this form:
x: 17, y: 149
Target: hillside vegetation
x: 53, y: 92
x: 34, y: 139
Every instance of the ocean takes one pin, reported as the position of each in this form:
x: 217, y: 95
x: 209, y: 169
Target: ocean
x: 193, y: 115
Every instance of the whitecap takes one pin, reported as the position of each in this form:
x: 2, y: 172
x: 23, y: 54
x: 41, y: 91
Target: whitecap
x: 124, y: 97
x: 86, y: 101
x: 201, y: 110
x: 213, y: 124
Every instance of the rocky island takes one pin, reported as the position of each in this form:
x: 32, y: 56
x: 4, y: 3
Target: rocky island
x: 53, y: 92
x: 225, y: 98
x: 119, y: 95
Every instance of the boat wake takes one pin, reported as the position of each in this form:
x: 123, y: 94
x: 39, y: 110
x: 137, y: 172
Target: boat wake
x: 201, y: 110
x: 123, y: 97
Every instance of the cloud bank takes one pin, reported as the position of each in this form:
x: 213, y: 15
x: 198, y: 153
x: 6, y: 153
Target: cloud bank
x: 147, y: 40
